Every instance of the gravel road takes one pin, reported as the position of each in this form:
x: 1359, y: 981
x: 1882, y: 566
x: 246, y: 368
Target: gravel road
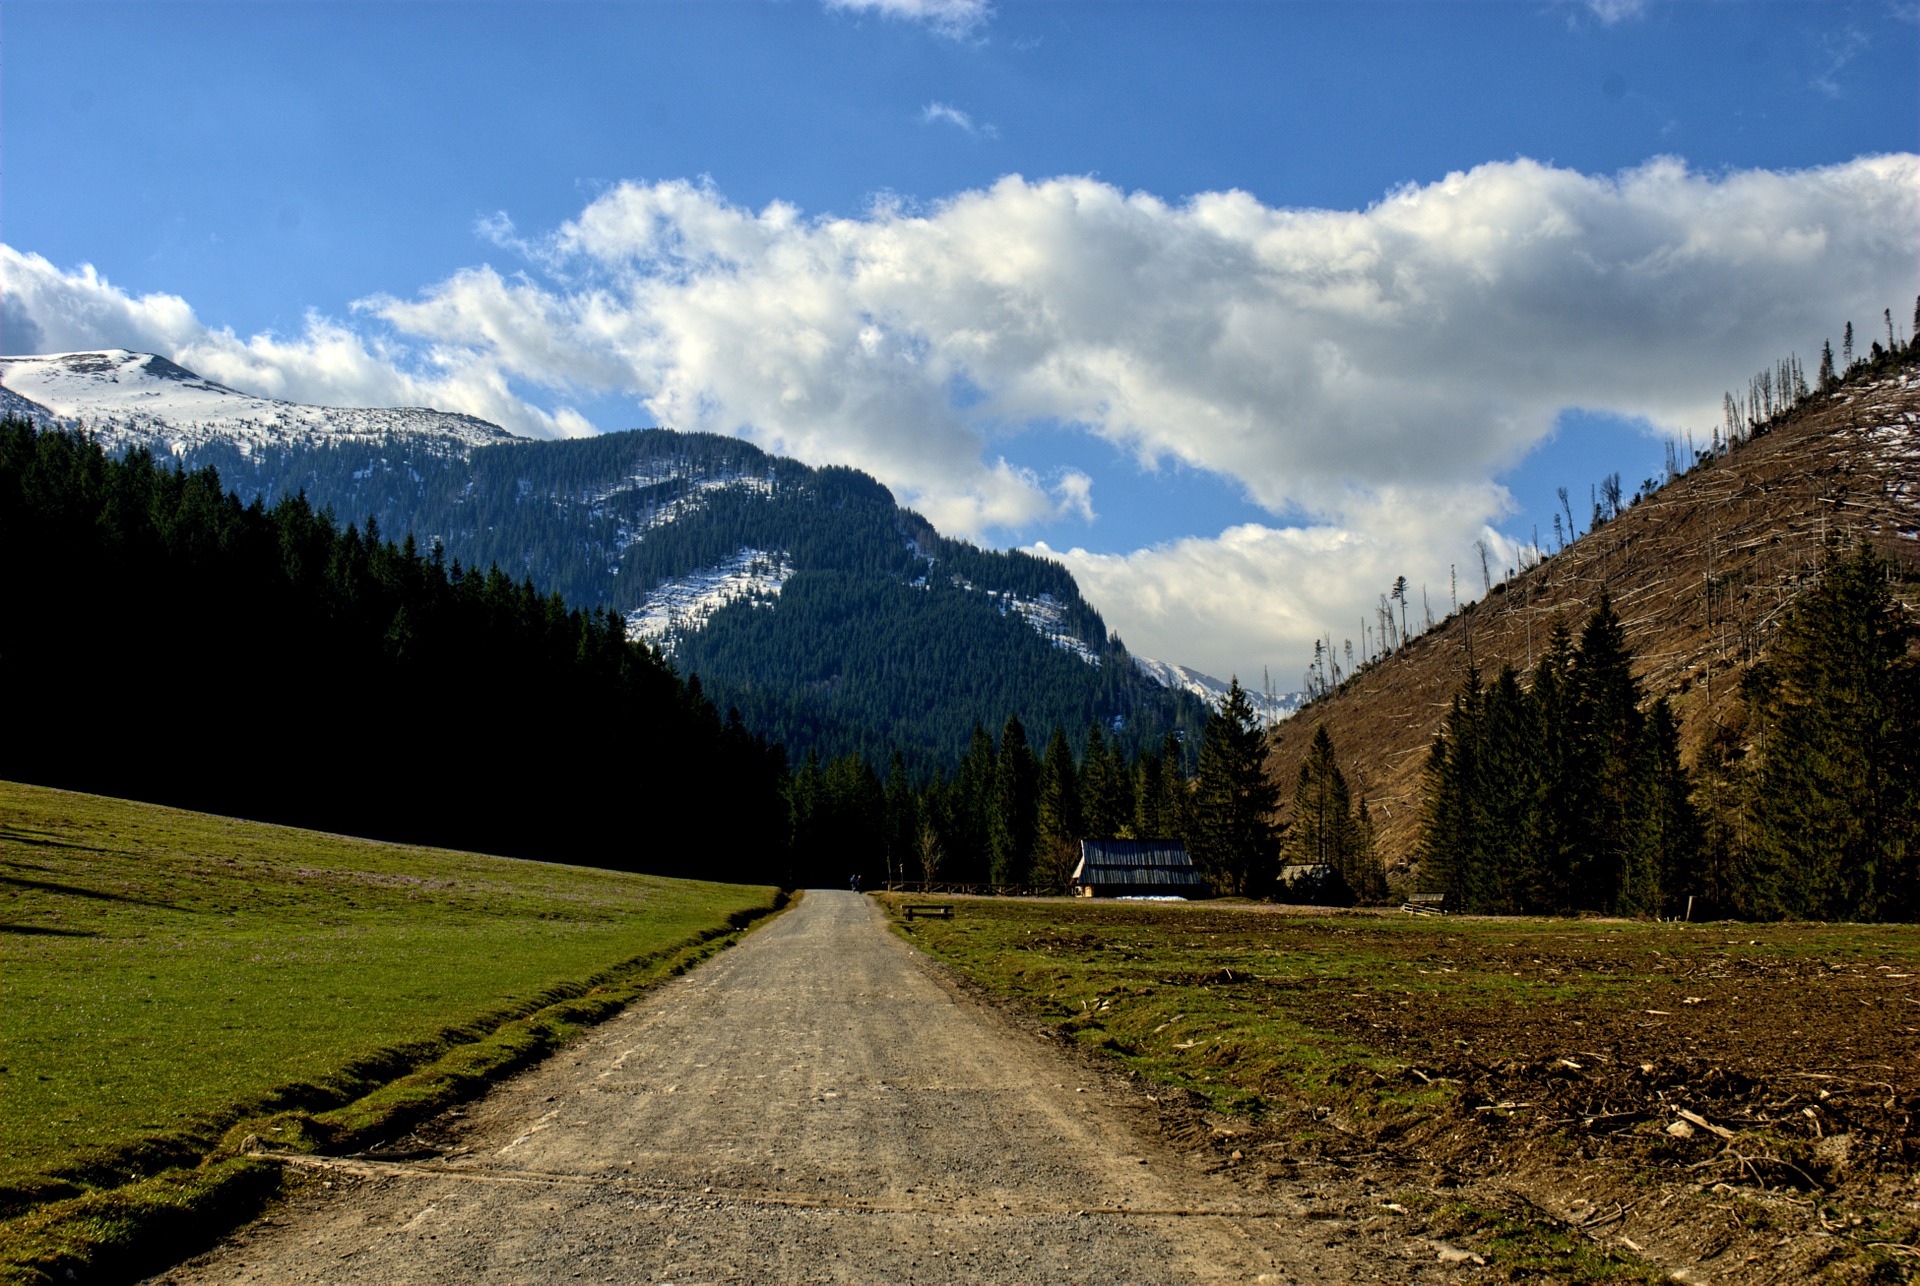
x: 817, y: 1104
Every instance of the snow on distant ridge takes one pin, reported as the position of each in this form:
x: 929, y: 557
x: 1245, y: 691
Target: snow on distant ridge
x: 686, y: 602
x: 1268, y: 709
x: 138, y: 399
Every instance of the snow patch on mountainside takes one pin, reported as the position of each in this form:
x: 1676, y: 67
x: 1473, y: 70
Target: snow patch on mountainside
x: 1269, y: 709
x: 137, y: 399
x: 685, y: 603
x: 1048, y: 619
x: 695, y: 489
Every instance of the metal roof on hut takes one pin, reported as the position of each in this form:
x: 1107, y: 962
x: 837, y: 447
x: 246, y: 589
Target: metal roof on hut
x: 1135, y: 868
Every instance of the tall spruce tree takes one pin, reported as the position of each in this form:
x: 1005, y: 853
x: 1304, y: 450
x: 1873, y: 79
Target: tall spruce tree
x: 1106, y: 795
x: 1012, y: 823
x: 1321, y: 830
x: 1059, y: 826
x: 1366, y: 878
x: 1452, y: 837
x: 903, y: 822
x: 1834, y: 805
x: 1606, y: 729
x: 1554, y: 825
x: 1666, y: 839
x: 1329, y: 827
x: 1233, y: 840
x: 970, y: 839
x: 1166, y: 798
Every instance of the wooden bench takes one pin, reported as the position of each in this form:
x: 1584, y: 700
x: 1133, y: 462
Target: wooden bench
x: 928, y: 911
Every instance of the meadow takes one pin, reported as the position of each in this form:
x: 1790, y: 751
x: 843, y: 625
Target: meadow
x: 169, y: 974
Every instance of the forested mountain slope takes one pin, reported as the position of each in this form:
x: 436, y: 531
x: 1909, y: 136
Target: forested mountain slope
x: 1701, y: 572
x: 832, y: 618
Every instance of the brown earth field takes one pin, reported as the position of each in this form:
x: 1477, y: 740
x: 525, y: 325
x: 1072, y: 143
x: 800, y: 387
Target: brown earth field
x: 1573, y: 1100
x: 1701, y: 573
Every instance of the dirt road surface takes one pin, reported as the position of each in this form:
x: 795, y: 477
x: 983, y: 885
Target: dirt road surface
x: 818, y: 1104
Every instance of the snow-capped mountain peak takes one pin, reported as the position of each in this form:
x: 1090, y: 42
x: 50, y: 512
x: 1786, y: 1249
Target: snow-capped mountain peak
x: 126, y: 398
x: 1268, y: 708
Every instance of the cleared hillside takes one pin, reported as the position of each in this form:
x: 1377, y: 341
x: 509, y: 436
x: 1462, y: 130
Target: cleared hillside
x: 1700, y: 572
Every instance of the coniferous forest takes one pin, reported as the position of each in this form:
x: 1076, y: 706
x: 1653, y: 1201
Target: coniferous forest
x: 886, y: 636
x: 1566, y: 793
x: 162, y: 641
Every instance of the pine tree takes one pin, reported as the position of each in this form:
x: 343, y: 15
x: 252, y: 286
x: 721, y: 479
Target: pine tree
x: 903, y: 822
x: 1834, y: 807
x: 1059, y: 826
x: 1555, y: 825
x: 1366, y: 877
x: 1665, y: 840
x: 1605, y: 731
x: 1827, y: 377
x: 1320, y: 831
x: 1172, y: 811
x: 1452, y: 834
x: 969, y: 840
x: 1105, y: 789
x: 1328, y: 828
x: 1233, y: 840
x: 1507, y: 878
x: 1012, y: 822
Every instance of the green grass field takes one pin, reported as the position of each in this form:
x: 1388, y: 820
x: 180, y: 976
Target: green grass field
x: 167, y: 972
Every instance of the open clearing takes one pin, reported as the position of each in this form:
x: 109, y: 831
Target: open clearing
x: 168, y: 971
x: 816, y: 1104
x: 1503, y: 1072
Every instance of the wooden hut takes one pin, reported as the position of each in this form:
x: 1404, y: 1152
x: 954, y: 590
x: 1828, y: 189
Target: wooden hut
x: 1115, y: 868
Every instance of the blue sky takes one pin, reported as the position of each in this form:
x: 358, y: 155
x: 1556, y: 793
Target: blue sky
x: 555, y: 214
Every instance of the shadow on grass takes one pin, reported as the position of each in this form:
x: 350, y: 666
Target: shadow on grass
x: 39, y: 931
x: 74, y: 890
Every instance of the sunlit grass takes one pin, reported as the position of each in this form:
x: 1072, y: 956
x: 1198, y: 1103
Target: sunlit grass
x: 164, y: 968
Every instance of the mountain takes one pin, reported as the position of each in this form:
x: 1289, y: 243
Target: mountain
x: 139, y: 399
x: 834, y: 619
x: 1269, y: 707
x: 1700, y: 571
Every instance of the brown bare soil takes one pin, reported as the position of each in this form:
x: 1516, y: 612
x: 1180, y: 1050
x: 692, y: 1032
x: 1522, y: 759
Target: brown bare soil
x: 1700, y: 573
x: 1576, y: 1100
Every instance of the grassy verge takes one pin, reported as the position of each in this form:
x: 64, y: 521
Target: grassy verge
x: 1543, y: 1051
x: 175, y: 982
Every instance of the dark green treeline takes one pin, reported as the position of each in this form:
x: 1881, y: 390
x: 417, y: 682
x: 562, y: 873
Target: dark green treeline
x: 1562, y: 795
x: 1566, y: 793
x: 1012, y: 814
x: 162, y: 641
